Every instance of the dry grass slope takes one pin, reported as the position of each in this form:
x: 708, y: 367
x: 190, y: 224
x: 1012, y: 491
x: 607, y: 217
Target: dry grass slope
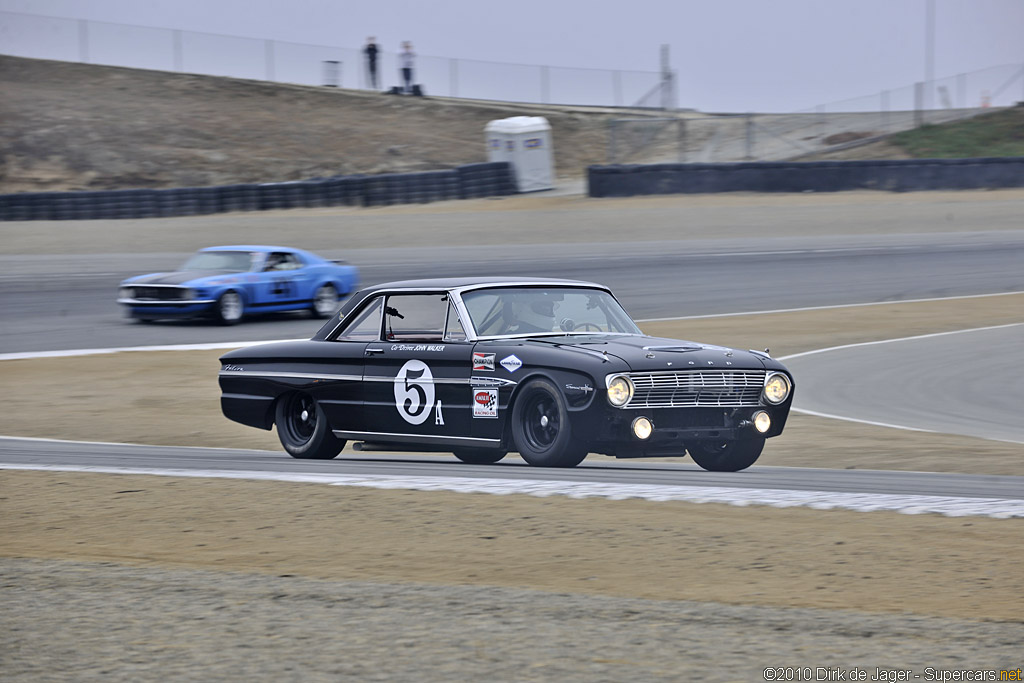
x: 70, y: 126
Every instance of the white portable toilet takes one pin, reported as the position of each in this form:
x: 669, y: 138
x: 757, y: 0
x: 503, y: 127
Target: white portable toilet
x: 525, y: 142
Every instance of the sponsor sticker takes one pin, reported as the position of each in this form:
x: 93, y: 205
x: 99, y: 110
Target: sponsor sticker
x: 485, y: 403
x: 483, y: 361
x: 511, y: 363
x: 532, y: 143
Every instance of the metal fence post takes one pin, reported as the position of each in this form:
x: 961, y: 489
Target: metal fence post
x: 611, y: 141
x: 83, y: 40
x: 332, y: 73
x: 750, y: 137
x: 885, y: 110
x: 918, y: 103
x: 270, y: 59
x: 681, y: 139
x: 178, y: 56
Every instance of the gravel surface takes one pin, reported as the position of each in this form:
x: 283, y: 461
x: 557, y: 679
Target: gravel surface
x: 87, y: 622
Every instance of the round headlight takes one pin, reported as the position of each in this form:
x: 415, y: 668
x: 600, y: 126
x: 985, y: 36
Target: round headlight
x: 642, y: 428
x: 188, y: 294
x: 762, y: 421
x: 125, y: 293
x: 776, y: 388
x: 620, y: 390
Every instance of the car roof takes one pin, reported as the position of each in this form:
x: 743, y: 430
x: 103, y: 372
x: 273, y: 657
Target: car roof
x: 249, y: 247
x: 453, y: 283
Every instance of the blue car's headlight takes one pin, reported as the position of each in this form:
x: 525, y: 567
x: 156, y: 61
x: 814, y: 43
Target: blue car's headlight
x: 125, y: 293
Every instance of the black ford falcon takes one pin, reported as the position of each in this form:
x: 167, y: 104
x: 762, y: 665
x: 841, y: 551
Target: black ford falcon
x: 551, y: 369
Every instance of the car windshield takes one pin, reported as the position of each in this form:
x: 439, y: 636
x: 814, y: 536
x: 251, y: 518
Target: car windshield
x: 528, y: 311
x: 238, y: 261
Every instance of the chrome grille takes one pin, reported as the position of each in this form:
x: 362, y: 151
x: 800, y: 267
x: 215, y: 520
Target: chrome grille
x: 697, y: 388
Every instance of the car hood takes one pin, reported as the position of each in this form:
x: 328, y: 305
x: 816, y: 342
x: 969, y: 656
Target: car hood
x: 648, y: 354
x: 185, y: 277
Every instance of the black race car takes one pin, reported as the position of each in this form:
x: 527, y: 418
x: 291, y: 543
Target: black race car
x: 552, y: 369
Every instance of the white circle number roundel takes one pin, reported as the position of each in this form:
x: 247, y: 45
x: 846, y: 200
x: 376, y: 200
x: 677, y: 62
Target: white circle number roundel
x: 414, y: 392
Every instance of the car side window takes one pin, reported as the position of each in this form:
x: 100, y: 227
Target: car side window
x: 366, y: 325
x: 415, y: 317
x: 280, y: 260
x: 453, y: 329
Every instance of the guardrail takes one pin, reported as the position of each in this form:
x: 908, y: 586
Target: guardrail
x: 895, y: 175
x: 487, y: 179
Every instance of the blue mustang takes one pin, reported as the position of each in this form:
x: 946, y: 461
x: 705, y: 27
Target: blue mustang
x: 230, y: 282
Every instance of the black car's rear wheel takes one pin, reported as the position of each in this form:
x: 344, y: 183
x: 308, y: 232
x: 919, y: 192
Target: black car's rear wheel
x: 303, y: 429
x: 541, y: 429
x: 726, y: 456
x: 480, y: 456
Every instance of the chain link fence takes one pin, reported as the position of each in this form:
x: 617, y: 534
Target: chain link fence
x: 694, y: 138
x: 97, y: 42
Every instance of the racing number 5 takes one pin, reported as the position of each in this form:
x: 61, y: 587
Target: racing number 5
x: 414, y: 408
x: 413, y: 399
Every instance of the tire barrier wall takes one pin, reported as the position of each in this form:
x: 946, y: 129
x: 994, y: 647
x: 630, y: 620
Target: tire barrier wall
x: 464, y: 182
x: 817, y: 176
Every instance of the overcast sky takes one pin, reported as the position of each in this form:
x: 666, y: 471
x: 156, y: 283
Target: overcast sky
x: 738, y: 55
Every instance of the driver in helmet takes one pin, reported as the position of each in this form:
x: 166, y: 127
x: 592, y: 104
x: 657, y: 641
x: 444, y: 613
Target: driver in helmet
x: 534, y: 315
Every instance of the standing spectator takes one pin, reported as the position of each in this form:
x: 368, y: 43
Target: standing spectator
x: 407, y: 60
x: 371, y: 60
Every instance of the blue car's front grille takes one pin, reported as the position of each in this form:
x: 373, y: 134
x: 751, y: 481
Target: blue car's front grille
x: 160, y: 293
x: 696, y: 388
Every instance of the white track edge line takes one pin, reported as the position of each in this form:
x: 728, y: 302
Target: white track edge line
x: 822, y: 308
x: 830, y: 416
x: 948, y: 506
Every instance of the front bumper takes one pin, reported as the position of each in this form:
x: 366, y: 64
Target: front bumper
x: 675, y: 428
x: 169, y: 308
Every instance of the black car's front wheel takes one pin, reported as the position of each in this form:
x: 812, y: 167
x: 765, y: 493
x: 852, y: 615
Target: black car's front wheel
x: 726, y: 456
x: 541, y: 429
x: 303, y: 429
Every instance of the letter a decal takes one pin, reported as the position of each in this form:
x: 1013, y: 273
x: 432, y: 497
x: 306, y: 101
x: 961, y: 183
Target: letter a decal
x: 438, y: 418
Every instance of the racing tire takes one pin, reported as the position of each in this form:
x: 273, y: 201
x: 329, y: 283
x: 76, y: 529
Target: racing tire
x: 325, y: 301
x: 480, y: 456
x: 303, y: 430
x: 229, y: 308
x: 541, y: 428
x: 727, y: 456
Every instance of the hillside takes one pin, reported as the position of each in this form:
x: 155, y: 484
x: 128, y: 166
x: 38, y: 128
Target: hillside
x: 79, y: 126
x: 71, y: 126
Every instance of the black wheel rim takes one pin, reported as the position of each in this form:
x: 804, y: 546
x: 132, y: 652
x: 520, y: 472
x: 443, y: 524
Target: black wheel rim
x: 541, y: 421
x: 301, y: 419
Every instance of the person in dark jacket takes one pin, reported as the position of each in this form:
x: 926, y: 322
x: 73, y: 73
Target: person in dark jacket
x: 371, y: 51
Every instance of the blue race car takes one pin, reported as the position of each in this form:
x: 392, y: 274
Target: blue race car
x: 227, y: 283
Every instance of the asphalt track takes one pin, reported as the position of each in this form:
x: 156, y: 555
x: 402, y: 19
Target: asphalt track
x: 960, y: 383
x: 909, y: 492
x: 68, y: 302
